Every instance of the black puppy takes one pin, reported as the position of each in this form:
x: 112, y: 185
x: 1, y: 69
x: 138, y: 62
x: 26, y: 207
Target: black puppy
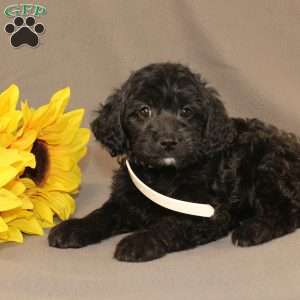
x: 180, y: 141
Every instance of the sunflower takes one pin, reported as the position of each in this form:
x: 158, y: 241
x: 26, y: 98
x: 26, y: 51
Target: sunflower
x: 39, y: 154
x: 14, y: 204
x: 58, y: 143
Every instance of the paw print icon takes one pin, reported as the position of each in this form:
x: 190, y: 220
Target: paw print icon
x: 24, y: 31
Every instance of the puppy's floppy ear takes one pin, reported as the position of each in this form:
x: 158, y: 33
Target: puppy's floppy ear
x: 219, y: 130
x: 107, y: 127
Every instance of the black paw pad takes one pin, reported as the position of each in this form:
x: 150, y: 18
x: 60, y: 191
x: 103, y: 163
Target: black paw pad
x: 24, y: 31
x: 139, y: 247
x: 68, y: 234
x: 251, y: 233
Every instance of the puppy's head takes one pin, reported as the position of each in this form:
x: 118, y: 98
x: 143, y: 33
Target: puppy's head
x: 163, y: 115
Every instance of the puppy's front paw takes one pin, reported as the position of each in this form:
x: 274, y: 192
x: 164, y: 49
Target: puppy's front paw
x: 139, y: 247
x: 68, y: 234
x: 251, y: 233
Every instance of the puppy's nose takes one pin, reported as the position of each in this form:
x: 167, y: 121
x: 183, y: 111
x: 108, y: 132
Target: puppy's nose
x: 168, y: 143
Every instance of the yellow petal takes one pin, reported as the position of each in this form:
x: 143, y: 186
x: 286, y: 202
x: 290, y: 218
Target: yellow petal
x: 76, y: 149
x: 28, y: 160
x: 7, y: 174
x: 15, y: 235
x: 16, y: 121
x: 69, y: 201
x: 61, y: 162
x: 17, y: 158
x: 10, y: 122
x: 29, y: 183
x: 48, y: 114
x: 61, y: 203
x: 64, y: 181
x: 30, y: 225
x: 3, y: 225
x: 56, y: 202
x: 26, y: 202
x: 80, y: 139
x: 55, y: 133
x: 9, y: 99
x: 11, y: 235
x: 74, y: 120
x: 8, y: 200
x: 8, y: 156
x: 80, y: 154
x: 25, y: 141
x: 6, y: 139
x: 46, y: 224
x: 27, y: 116
x: 64, y: 130
x: 17, y: 187
x: 61, y: 99
x: 43, y: 212
x: 39, y: 117
x: 13, y: 214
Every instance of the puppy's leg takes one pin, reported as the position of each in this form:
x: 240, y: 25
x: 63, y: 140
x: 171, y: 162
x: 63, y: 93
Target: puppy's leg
x: 259, y: 230
x: 275, y: 212
x: 276, y: 203
x: 102, y: 223
x: 173, y: 233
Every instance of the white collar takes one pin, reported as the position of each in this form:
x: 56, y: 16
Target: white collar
x: 190, y: 208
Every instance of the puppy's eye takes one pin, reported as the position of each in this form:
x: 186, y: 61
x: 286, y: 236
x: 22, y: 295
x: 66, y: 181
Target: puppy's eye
x: 144, y: 112
x: 186, y: 112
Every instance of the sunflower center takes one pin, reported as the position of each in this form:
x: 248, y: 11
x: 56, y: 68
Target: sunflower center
x: 38, y: 174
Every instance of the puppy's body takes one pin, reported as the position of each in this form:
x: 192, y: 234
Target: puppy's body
x: 180, y: 141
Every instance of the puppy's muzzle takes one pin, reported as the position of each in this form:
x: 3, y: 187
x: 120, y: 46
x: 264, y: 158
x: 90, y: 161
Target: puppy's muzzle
x: 168, y: 144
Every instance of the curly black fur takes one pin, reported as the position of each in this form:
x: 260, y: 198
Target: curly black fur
x: 181, y: 142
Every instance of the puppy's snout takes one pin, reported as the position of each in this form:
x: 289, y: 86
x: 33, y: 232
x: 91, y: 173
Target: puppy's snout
x: 168, y: 143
